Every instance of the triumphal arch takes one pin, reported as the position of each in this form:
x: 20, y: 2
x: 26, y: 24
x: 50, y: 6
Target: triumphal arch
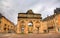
x: 29, y: 22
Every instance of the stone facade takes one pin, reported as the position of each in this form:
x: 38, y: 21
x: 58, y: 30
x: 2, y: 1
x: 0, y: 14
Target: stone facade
x: 53, y: 22
x: 30, y: 22
x: 6, y: 26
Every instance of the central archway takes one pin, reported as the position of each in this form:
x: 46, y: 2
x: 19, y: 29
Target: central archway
x: 30, y: 27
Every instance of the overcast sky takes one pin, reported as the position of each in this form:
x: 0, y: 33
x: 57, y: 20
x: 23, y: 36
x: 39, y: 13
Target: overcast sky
x: 11, y: 8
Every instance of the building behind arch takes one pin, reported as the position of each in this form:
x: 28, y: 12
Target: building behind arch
x: 6, y: 26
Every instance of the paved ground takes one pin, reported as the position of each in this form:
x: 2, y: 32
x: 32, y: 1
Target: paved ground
x: 29, y: 35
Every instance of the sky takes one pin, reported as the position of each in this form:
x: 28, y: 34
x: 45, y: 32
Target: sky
x: 11, y: 8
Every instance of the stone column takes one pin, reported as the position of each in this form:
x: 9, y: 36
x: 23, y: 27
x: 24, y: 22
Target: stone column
x: 34, y: 27
x: 18, y: 28
x: 26, y: 27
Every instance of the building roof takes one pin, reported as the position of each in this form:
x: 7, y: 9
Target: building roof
x: 30, y: 12
x: 6, y: 18
x: 57, y: 11
x: 49, y: 18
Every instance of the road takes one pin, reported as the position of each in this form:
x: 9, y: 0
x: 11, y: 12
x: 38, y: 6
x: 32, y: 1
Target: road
x: 30, y: 35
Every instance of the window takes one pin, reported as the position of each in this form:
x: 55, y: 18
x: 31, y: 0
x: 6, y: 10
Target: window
x: 4, y: 28
x: 5, y: 24
x: 30, y: 24
x: 8, y: 28
x: 11, y: 26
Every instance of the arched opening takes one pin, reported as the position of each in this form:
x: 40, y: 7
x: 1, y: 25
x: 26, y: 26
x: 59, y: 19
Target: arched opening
x: 5, y: 29
x: 30, y: 27
x: 37, y: 29
x: 22, y: 29
x: 30, y: 24
x: 58, y: 29
x: 51, y: 29
x: 11, y: 31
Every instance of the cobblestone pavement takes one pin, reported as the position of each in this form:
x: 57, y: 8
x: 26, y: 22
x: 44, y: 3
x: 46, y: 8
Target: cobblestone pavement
x: 29, y: 35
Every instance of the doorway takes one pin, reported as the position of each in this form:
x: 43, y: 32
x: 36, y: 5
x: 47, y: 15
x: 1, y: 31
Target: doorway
x: 22, y: 29
x: 37, y: 29
x: 51, y: 29
x: 30, y: 27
